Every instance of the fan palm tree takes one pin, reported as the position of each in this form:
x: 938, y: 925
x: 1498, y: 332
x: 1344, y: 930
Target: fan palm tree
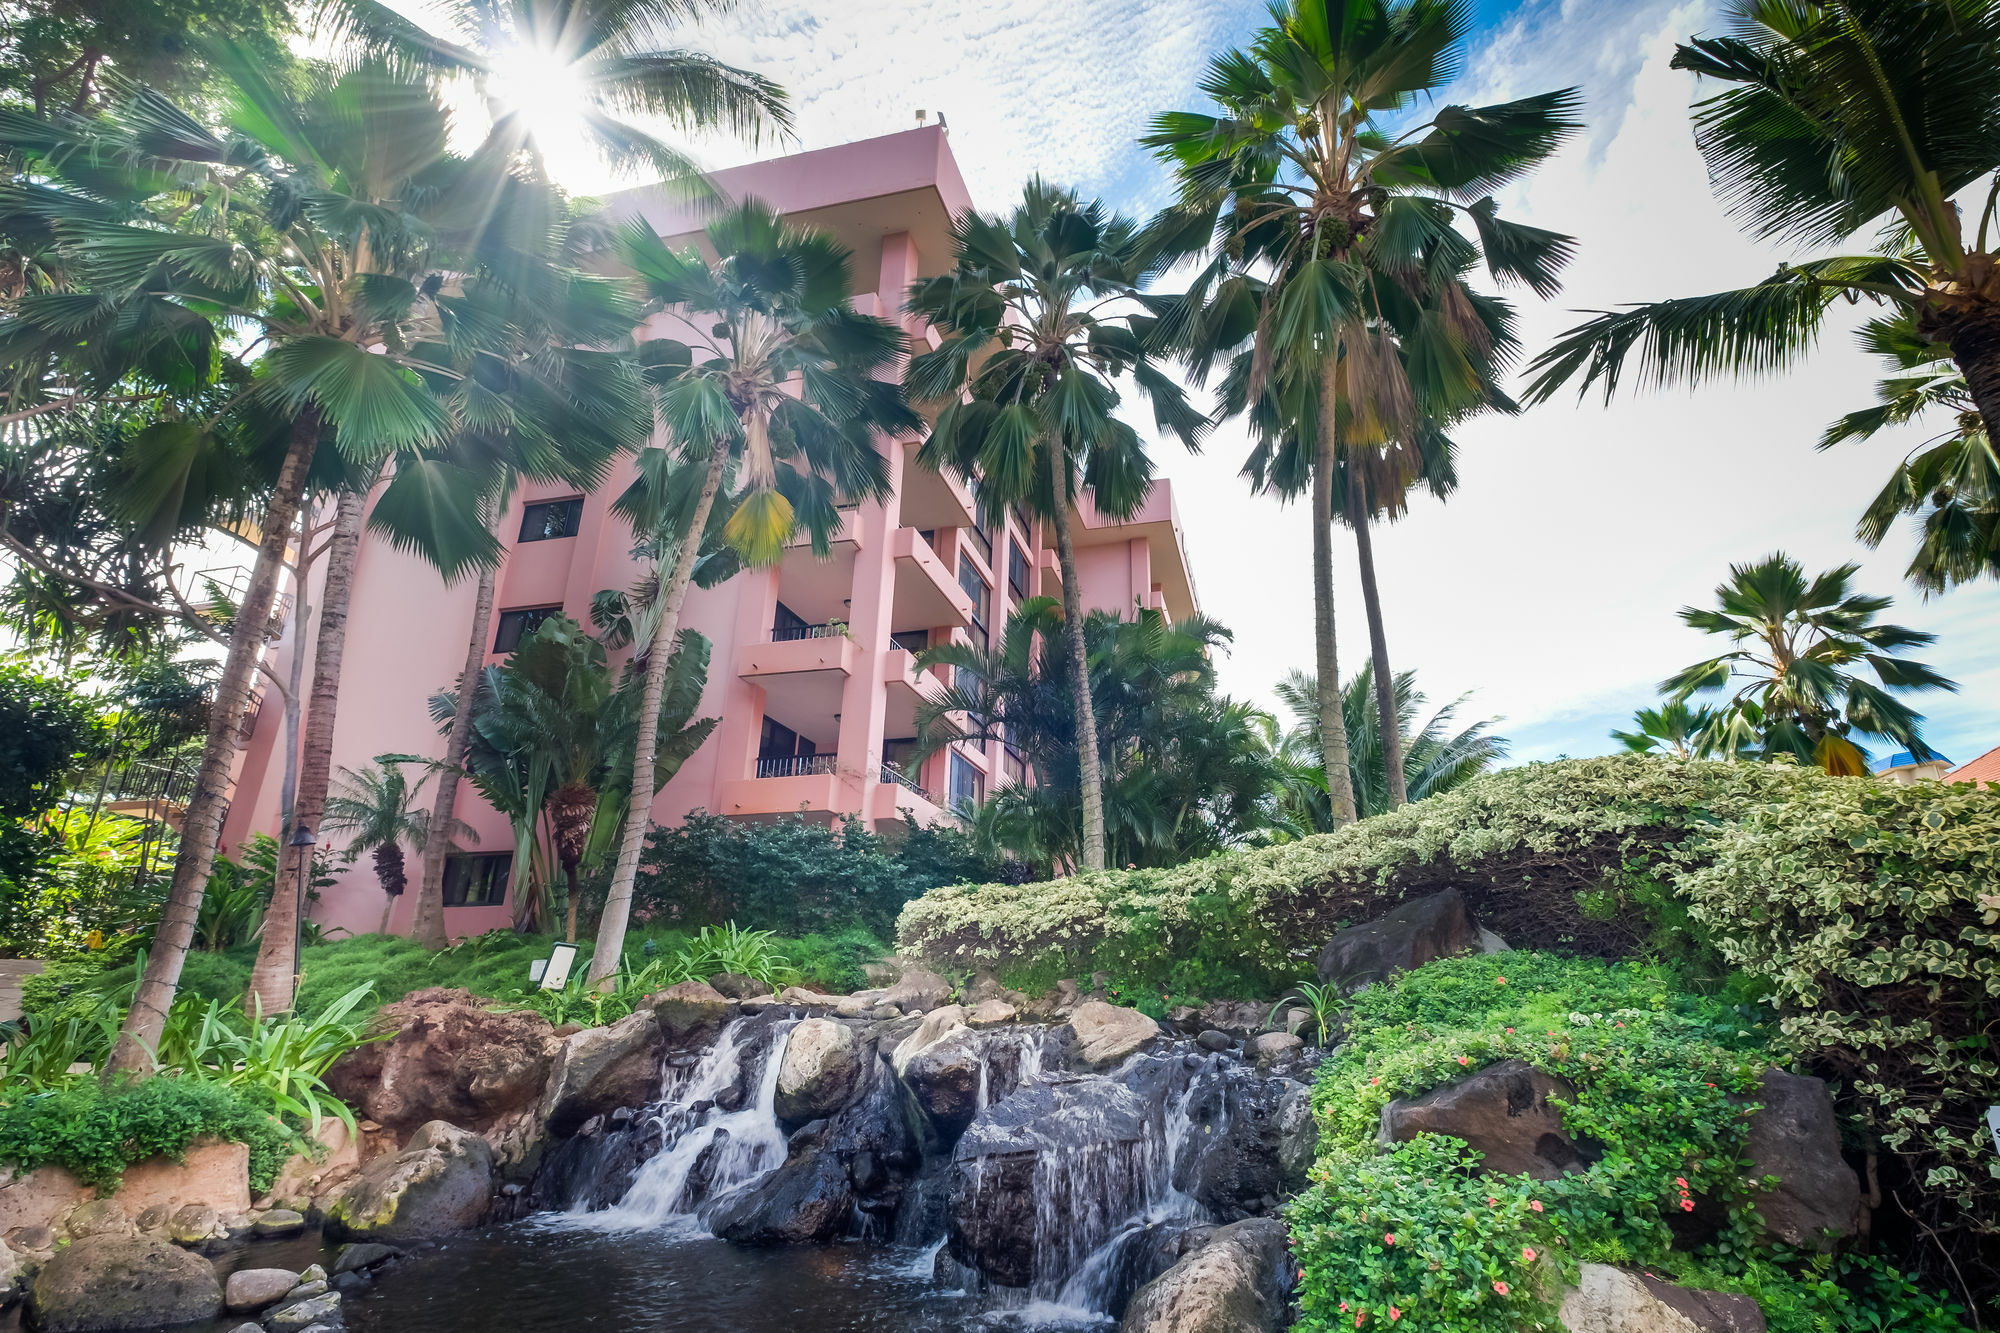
x: 1435, y: 758
x: 324, y: 219
x: 1836, y: 119
x: 1336, y: 259
x: 1952, y: 481
x: 610, y: 53
x: 1673, y: 728
x: 1801, y: 641
x: 378, y: 805
x: 1024, y: 375
x: 777, y: 386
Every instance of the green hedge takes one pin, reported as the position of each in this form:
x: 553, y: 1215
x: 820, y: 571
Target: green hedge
x: 96, y: 1134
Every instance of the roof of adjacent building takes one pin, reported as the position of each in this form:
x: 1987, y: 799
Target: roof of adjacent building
x: 1904, y: 759
x: 1986, y: 768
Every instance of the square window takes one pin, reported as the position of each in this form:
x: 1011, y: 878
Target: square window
x: 518, y: 624
x: 477, y: 880
x: 965, y: 783
x: 547, y: 520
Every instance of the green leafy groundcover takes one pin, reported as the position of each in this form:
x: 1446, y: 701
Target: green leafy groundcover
x: 1419, y: 1238
x: 96, y: 1133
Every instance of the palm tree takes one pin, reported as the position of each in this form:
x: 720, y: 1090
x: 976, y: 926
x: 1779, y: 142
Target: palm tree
x: 1436, y: 759
x: 1672, y: 728
x: 1838, y: 119
x: 1336, y: 259
x: 782, y: 392
x: 1952, y: 481
x: 378, y: 805
x: 608, y: 52
x: 1801, y: 640
x: 324, y: 225
x: 1024, y: 375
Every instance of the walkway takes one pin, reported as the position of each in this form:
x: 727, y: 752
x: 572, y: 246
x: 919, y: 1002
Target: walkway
x: 11, y: 972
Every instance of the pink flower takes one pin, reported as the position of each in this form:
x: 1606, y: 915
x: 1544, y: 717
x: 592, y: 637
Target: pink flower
x: 1687, y: 1205
x: 1343, y: 1307
x: 1359, y: 1317
x: 1510, y: 1032
x: 1500, y: 1287
x: 1527, y: 1254
x: 1535, y: 1204
x: 1465, y: 1059
x: 1492, y: 1202
x: 1394, y: 1314
x: 1499, y: 981
x: 1373, y: 1082
x: 1389, y: 1239
x: 1679, y: 1181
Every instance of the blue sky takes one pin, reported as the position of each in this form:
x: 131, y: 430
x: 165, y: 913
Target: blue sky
x: 1547, y: 587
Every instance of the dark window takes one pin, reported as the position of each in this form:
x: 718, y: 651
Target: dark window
x: 478, y: 880
x: 964, y: 782
x: 911, y: 640
x: 778, y: 741
x: 787, y: 624
x: 1017, y: 569
x: 980, y: 541
x: 519, y: 624
x: 975, y: 588
x: 550, y: 519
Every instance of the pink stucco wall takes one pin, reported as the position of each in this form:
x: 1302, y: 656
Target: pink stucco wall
x: 890, y: 200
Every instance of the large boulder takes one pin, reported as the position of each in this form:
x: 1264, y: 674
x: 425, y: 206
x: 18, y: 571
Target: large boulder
x: 1106, y: 1033
x: 599, y: 1070
x: 441, y: 1183
x: 816, y: 1075
x: 738, y: 987
x: 1504, y: 1113
x: 691, y: 1013
x: 917, y: 991
x: 1817, y: 1201
x: 1237, y: 1281
x: 1611, y: 1300
x: 255, y: 1288
x: 936, y: 1025
x: 946, y: 1076
x: 109, y: 1282
x: 1249, y: 1144
x: 452, y: 1059
x: 1042, y: 1176
x: 1419, y: 931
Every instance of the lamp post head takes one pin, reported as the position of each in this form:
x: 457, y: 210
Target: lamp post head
x: 302, y: 837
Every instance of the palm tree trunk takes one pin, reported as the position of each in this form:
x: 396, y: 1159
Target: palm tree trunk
x: 201, y: 829
x: 1332, y: 722
x: 288, y: 787
x: 1387, y: 722
x: 276, y: 969
x: 645, y: 746
x: 428, y: 925
x: 1974, y: 339
x: 1079, y: 680
x: 570, y: 887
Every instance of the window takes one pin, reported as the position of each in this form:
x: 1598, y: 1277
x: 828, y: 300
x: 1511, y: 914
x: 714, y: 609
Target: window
x: 477, y: 880
x: 975, y: 588
x: 980, y: 541
x: 787, y: 624
x: 911, y: 640
x: 1017, y: 569
x: 518, y: 624
x: 779, y: 741
x: 549, y: 519
x: 964, y: 782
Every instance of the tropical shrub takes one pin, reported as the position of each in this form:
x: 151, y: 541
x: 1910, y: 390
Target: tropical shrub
x: 96, y: 1134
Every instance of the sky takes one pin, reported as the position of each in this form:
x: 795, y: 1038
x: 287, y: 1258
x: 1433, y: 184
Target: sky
x: 1547, y: 587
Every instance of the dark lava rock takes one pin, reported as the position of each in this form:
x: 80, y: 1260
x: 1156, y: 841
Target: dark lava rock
x: 598, y: 1070
x: 1251, y: 1140
x: 1793, y: 1136
x: 1237, y: 1281
x: 104, y: 1283
x: 452, y: 1058
x: 736, y: 986
x: 1503, y: 1112
x: 691, y: 1013
x: 1414, y: 934
x: 363, y: 1255
x: 1214, y: 1040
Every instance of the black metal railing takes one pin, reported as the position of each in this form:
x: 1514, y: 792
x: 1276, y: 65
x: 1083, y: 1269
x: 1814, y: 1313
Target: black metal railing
x: 793, y: 633
x: 794, y: 765
x: 893, y: 772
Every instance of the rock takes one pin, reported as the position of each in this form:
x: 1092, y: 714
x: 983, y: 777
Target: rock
x: 107, y: 1282
x: 10, y: 1277
x: 1250, y: 1143
x: 1610, y: 1300
x: 1298, y: 1022
x: 32, y: 1240
x: 1488, y: 942
x: 194, y: 1224
x: 759, y: 1003
x: 737, y: 986
x: 599, y: 1070
x: 451, y: 1059
x: 817, y: 1073
x: 1214, y: 1039
x: 153, y: 1218
x: 861, y: 1004
x: 321, y: 1309
x: 1272, y: 1047
x: 99, y: 1217
x: 918, y: 991
x: 313, y: 1273
x: 1503, y: 1112
x: 248, y: 1328
x: 885, y: 1012
x: 1067, y: 995
x: 936, y: 1025
x: 1412, y: 935
x: 305, y: 1291
x: 810, y: 999
x: 362, y: 1255
x: 279, y: 1222
x: 991, y: 1013
x: 1235, y: 1282
x: 441, y: 1183
x: 690, y: 1013
x: 1817, y: 1202
x: 1106, y: 1034
x: 984, y: 986
x: 945, y: 1077
x: 255, y: 1288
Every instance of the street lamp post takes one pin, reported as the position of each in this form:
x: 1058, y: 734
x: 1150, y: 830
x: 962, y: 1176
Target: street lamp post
x: 301, y: 843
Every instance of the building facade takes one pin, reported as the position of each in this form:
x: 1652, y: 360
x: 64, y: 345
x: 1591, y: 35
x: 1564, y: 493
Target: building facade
x: 812, y: 670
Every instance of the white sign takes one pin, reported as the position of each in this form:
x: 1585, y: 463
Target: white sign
x: 555, y: 974
x: 1993, y: 1124
x: 536, y: 967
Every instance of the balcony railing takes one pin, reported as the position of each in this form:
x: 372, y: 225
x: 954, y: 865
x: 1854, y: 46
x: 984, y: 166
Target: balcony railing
x: 892, y: 772
x: 794, y: 765
x: 793, y: 633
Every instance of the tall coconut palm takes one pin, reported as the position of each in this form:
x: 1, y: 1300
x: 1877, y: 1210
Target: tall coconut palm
x: 325, y: 216
x: 378, y: 806
x: 776, y: 385
x: 1836, y: 120
x: 1331, y: 217
x: 1802, y: 640
x: 1024, y: 374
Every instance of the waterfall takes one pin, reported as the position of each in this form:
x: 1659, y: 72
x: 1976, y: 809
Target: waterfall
x: 706, y: 1151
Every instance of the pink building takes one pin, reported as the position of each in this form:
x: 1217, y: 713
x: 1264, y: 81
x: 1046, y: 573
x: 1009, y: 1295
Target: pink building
x: 813, y: 718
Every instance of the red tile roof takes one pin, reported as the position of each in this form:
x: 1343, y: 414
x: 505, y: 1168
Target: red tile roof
x: 1986, y: 768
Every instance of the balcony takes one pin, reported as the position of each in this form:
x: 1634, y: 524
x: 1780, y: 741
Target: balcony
x: 931, y: 499
x: 802, y: 672
x: 896, y: 796
x: 786, y: 785
x: 926, y: 594
x: 907, y: 687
